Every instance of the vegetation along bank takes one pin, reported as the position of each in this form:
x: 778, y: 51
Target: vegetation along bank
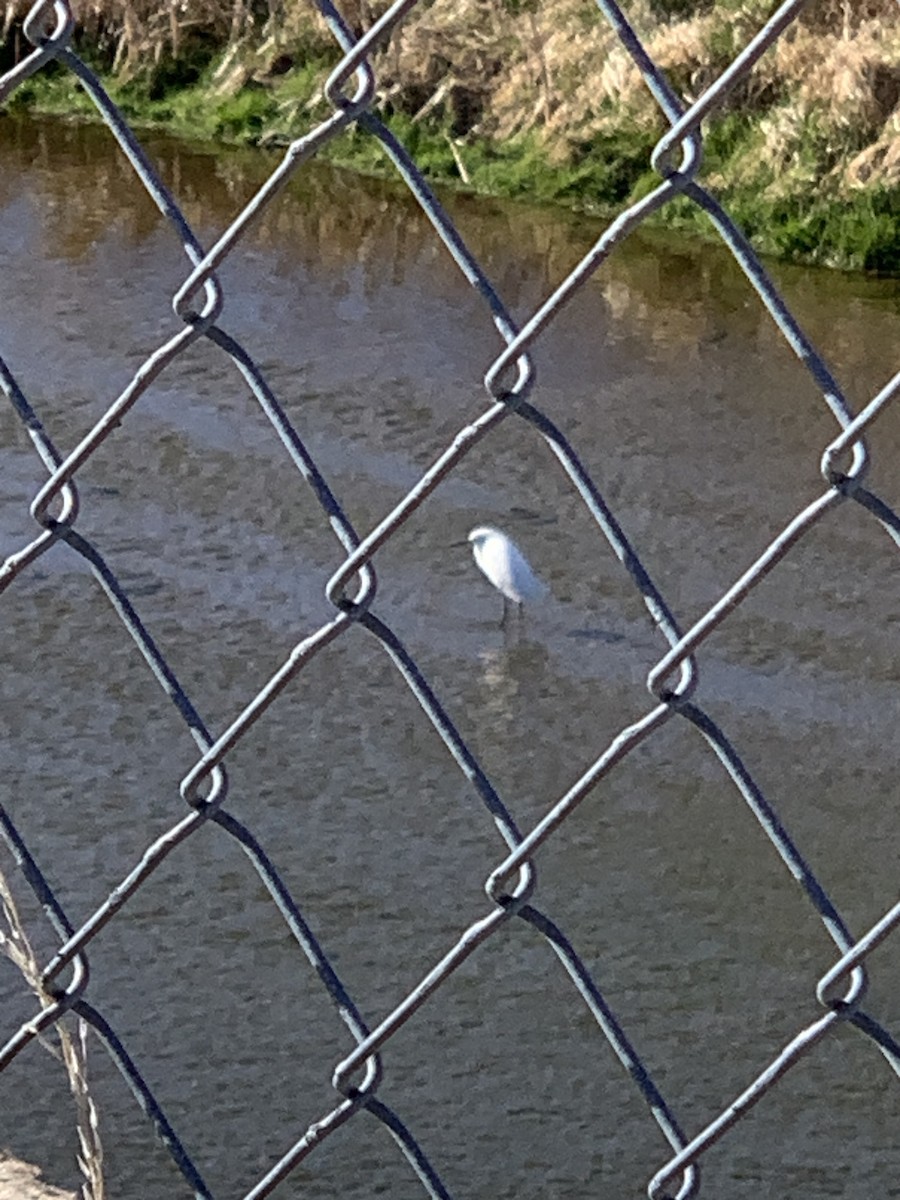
x: 537, y: 99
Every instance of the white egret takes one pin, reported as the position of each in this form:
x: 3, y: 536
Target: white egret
x: 504, y: 564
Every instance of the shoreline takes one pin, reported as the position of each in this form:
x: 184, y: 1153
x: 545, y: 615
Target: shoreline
x: 804, y: 154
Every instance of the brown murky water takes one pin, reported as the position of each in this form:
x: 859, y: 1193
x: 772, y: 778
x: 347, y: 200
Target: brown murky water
x: 705, y: 434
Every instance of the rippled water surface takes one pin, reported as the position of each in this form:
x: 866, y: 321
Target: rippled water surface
x: 705, y: 435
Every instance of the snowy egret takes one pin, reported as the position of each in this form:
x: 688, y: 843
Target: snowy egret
x: 504, y: 564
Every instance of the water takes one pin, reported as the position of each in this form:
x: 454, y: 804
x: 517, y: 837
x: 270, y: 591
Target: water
x: 705, y: 434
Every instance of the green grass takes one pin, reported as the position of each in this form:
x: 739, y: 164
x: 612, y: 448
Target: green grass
x: 859, y: 233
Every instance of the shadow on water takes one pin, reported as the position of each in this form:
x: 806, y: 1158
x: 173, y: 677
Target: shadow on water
x: 705, y: 436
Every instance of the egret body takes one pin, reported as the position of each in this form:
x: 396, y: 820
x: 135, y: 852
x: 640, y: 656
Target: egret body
x: 507, y: 568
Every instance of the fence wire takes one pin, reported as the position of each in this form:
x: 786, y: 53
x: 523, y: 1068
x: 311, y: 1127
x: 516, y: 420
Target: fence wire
x: 359, y: 1079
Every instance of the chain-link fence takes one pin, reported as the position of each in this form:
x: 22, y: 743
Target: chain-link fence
x: 361, y: 1081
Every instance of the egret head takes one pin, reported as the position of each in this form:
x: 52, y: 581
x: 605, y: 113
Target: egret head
x: 481, y: 533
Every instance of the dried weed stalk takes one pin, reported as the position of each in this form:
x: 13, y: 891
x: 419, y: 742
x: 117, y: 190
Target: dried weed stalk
x: 71, y: 1049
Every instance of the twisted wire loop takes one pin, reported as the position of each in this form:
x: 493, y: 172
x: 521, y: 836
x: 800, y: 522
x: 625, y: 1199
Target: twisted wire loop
x: 512, y: 887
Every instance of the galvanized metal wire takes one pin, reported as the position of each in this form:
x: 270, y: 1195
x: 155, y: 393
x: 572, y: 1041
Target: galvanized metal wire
x: 513, y: 895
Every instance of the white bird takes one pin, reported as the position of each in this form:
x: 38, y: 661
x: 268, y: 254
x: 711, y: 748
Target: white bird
x: 504, y: 564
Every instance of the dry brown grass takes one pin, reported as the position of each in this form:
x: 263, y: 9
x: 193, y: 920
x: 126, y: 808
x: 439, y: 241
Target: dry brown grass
x: 878, y: 164
x: 855, y: 79
x: 847, y: 89
x: 561, y: 74
x: 64, y: 1044
x: 134, y: 32
x: 843, y: 17
x: 21, y: 1181
x: 446, y: 57
x: 554, y: 65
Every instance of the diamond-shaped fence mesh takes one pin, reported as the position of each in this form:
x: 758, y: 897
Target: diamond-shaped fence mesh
x: 345, y: 1073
